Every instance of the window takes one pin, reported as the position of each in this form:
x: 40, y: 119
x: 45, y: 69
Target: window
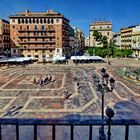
x: 30, y: 21
x: 14, y: 50
x: 48, y: 21
x: 52, y: 21
x: 44, y: 20
x: 36, y: 56
x: 18, y: 21
x: 57, y: 20
x: 29, y: 55
x: 35, y: 39
x: 13, y: 26
x: 108, y: 27
x: 26, y: 21
x: 58, y: 50
x: 41, y: 21
x: 37, y: 20
x: 43, y: 27
x: 20, y: 27
x: 33, y: 20
x: 23, y: 21
x: 36, y: 27
x: 13, y: 20
x: 43, y: 39
x: 108, y: 33
x: 28, y: 27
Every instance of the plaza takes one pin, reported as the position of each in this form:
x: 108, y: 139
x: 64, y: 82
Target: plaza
x: 71, y: 93
x: 21, y: 98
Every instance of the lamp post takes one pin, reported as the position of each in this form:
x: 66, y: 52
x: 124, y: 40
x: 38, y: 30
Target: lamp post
x: 103, y: 88
x: 43, y: 56
x: 110, y: 114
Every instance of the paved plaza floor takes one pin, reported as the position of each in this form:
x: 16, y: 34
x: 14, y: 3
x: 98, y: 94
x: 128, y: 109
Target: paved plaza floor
x: 21, y: 98
x: 71, y: 91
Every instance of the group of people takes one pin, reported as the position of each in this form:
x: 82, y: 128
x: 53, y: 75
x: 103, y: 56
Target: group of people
x: 43, y: 80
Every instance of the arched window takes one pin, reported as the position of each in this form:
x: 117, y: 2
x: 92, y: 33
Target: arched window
x: 26, y: 21
x: 18, y: 21
x: 30, y: 21
x: 37, y: 20
x: 48, y: 21
x: 33, y: 20
x: 52, y: 21
x: 44, y: 20
x: 41, y: 21
x: 23, y: 21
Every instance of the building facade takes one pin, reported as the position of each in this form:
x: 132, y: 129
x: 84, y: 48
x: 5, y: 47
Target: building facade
x: 117, y: 39
x: 5, y: 37
x: 40, y: 34
x: 136, y: 41
x: 126, y: 37
x: 1, y: 45
x: 87, y: 42
x: 79, y: 41
x: 104, y: 27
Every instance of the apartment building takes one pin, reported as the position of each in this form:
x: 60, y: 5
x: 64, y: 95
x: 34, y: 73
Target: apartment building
x: 126, y: 37
x: 87, y: 42
x: 81, y: 38
x: 117, y: 39
x: 136, y: 41
x: 1, y: 45
x: 39, y: 34
x: 104, y: 27
x: 79, y: 41
x: 5, y: 37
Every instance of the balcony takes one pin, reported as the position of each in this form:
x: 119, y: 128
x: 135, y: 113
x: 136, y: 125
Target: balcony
x: 50, y: 30
x: 31, y: 30
x: 37, y: 42
x: 35, y: 36
x: 70, y: 123
x: 36, y: 48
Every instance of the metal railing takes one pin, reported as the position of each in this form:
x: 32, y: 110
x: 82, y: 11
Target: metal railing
x: 74, y: 121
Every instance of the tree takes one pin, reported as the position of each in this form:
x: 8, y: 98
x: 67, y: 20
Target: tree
x: 108, y: 47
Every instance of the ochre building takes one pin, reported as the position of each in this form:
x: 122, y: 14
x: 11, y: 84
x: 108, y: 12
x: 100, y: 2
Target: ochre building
x: 104, y: 27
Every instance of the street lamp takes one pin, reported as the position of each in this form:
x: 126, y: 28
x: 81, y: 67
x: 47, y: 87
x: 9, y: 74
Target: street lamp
x: 112, y: 84
x: 106, y: 78
x: 43, y: 56
x: 110, y: 114
x: 103, y: 88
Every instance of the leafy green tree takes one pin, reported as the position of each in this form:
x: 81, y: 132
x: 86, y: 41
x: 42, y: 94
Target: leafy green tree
x: 108, y: 47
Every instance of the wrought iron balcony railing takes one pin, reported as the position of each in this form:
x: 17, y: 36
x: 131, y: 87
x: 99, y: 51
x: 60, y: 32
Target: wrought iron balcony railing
x: 72, y: 121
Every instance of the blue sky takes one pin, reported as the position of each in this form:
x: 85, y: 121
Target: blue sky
x: 80, y: 12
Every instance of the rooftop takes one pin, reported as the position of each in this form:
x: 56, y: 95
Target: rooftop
x: 49, y: 13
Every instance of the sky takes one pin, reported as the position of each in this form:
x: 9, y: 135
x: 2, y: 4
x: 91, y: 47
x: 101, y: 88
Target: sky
x: 81, y: 13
